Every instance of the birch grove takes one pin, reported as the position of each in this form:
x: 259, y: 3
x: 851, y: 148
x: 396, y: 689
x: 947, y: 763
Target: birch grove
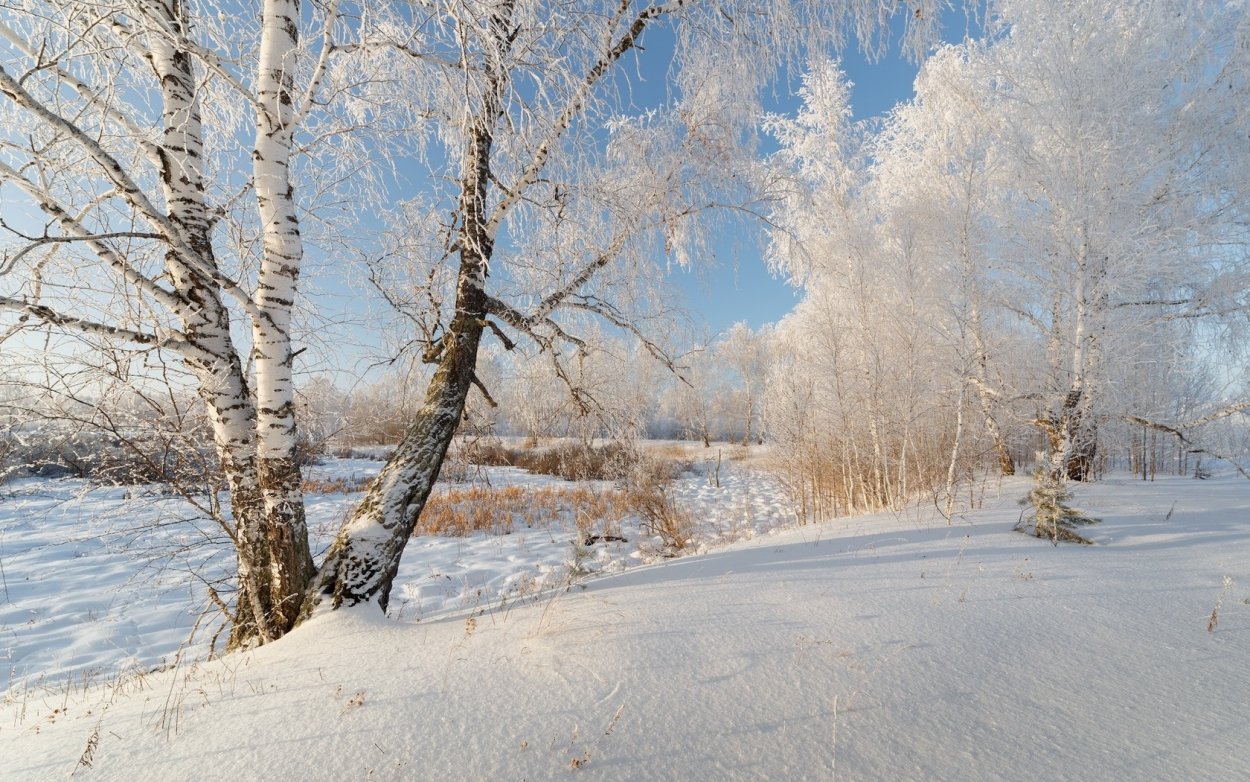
x: 1038, y: 260
x: 108, y: 142
x: 1051, y: 230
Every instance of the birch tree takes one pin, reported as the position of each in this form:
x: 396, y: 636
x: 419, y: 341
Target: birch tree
x: 563, y: 188
x: 746, y: 353
x: 1119, y: 206
x: 123, y: 152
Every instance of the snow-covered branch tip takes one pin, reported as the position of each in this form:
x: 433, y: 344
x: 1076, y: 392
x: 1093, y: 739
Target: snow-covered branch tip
x: 91, y: 95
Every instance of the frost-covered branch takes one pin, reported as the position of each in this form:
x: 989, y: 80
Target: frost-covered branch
x: 577, y: 102
x: 92, y: 95
x: 49, y: 316
x: 97, y: 242
x: 126, y: 187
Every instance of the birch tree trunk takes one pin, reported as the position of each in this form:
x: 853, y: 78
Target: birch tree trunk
x: 254, y: 443
x: 274, y: 557
x: 1006, y: 465
x: 1078, y: 432
x: 361, y: 563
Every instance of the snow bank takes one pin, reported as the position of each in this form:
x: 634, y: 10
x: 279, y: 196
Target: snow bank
x: 883, y: 649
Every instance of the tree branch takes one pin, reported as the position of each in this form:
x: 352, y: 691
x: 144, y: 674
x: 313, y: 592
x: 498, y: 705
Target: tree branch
x: 48, y: 315
x: 128, y: 189
x: 319, y: 70
x: 87, y: 93
x: 490, y: 400
x: 96, y: 242
x: 614, y: 316
x: 35, y: 242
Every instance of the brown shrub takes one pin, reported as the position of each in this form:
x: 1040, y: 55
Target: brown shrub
x: 658, y: 514
x: 576, y: 461
x: 488, y: 455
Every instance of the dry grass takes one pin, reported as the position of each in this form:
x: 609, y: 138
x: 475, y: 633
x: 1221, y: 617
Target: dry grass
x: 501, y: 510
x: 575, y: 461
x: 335, y: 485
x: 488, y: 454
x: 660, y: 516
x: 595, y: 514
x: 647, y: 496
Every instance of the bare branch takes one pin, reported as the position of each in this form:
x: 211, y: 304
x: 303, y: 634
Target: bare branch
x: 96, y: 242
x: 508, y: 344
x: 553, y: 301
x: 319, y: 70
x: 1178, y: 429
x: 481, y: 387
x: 128, y: 189
x: 92, y: 96
x: 614, y: 316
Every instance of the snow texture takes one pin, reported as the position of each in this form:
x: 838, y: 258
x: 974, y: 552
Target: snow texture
x: 878, y: 647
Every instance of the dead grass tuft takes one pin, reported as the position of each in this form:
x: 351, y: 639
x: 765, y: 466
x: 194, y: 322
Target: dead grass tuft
x: 658, y: 514
x: 501, y: 510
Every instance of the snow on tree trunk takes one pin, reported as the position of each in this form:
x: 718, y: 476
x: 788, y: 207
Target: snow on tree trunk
x: 361, y: 563
x: 1077, y: 429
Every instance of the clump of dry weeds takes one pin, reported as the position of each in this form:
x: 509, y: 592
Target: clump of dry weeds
x: 647, y: 496
x: 500, y: 510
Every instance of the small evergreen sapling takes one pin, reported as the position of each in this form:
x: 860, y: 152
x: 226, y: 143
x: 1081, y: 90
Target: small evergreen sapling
x: 1048, y: 514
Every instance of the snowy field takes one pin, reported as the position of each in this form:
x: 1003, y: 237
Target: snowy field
x: 102, y: 580
x: 889, y: 647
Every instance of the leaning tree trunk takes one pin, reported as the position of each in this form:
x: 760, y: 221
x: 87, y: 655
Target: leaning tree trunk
x: 361, y: 563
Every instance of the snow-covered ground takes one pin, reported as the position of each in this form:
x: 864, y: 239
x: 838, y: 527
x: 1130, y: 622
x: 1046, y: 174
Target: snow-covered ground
x: 884, y: 647
x: 97, y: 580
